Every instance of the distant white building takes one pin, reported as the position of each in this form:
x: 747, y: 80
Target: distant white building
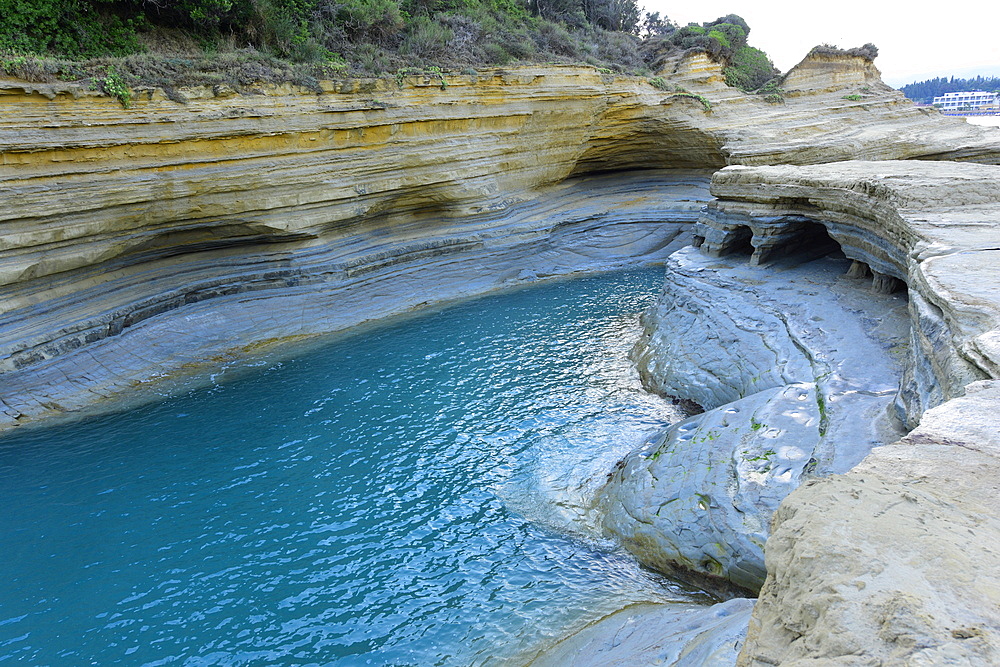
x: 966, y: 100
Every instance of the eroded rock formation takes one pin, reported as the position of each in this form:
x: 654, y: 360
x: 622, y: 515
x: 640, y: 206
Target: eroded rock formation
x: 672, y: 635
x: 930, y: 225
x: 877, y: 564
x: 874, y: 566
x: 895, y: 562
x: 139, y: 242
x: 797, y: 365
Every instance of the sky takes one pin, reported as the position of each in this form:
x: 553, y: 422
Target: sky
x: 916, y: 41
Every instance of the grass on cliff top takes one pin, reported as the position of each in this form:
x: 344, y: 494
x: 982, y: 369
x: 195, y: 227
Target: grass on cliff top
x: 118, y: 45
x: 192, y: 42
x: 187, y: 63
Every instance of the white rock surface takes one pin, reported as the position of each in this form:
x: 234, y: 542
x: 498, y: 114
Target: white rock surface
x: 932, y: 225
x: 800, y: 365
x: 896, y: 562
x: 672, y: 635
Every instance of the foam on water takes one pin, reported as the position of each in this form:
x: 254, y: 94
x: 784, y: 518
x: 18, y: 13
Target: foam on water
x: 416, y: 493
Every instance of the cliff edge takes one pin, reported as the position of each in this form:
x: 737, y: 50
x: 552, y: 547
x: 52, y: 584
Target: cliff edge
x: 118, y: 217
x: 138, y: 243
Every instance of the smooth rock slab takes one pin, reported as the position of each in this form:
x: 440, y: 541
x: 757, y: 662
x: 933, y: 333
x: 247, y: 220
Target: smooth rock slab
x: 656, y: 634
x: 811, y: 360
x: 894, y: 563
x: 700, y: 498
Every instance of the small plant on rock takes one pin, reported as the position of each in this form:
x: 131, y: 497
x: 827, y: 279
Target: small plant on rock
x: 705, y: 102
x: 772, y: 92
x: 113, y: 84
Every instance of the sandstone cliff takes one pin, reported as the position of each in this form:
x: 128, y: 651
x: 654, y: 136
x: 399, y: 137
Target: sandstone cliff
x: 114, y: 218
x: 138, y: 242
x: 892, y: 562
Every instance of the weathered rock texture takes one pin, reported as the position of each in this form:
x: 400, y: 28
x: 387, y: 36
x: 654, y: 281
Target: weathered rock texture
x: 136, y: 242
x: 930, y: 225
x: 111, y: 331
x: 120, y: 226
x: 896, y: 562
x: 672, y: 635
x: 893, y: 562
x: 798, y: 366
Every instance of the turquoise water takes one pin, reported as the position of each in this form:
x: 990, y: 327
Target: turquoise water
x: 415, y: 493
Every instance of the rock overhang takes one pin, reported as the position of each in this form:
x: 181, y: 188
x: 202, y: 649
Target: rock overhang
x: 292, y: 172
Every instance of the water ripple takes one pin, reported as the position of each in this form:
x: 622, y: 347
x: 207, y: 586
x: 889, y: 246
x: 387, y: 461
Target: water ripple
x: 416, y: 493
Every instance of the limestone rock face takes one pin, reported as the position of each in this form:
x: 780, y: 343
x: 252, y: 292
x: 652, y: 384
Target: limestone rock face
x: 656, y: 634
x: 137, y: 243
x: 928, y: 224
x: 827, y: 73
x: 166, y: 216
x: 799, y: 365
x: 893, y: 563
x: 103, y: 335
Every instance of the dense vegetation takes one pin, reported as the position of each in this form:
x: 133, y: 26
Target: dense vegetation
x: 924, y: 92
x: 869, y: 51
x: 725, y: 39
x: 118, y: 43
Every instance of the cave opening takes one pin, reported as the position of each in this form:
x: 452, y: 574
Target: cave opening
x: 802, y: 241
x: 741, y: 242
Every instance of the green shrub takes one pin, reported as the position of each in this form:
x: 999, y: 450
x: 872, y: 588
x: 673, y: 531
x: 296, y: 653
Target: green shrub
x: 772, y: 92
x: 73, y: 28
x: 371, y: 59
x: 618, y: 49
x: 242, y: 42
x: 720, y: 37
x: 555, y: 38
x: 658, y: 83
x: 749, y: 69
x: 377, y: 21
x: 705, y: 103
x: 426, y: 38
x: 113, y: 84
x: 736, y: 35
x: 869, y: 51
x: 852, y: 98
x: 496, y: 54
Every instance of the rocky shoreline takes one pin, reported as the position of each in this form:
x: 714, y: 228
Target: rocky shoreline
x: 139, y: 243
x: 166, y: 216
x: 130, y: 330
x: 873, y: 565
x: 876, y: 558
x: 797, y: 366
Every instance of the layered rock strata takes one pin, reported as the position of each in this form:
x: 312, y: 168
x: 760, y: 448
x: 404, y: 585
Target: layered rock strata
x: 116, y: 330
x: 797, y: 365
x: 931, y: 226
x: 889, y: 563
x: 136, y: 242
x: 116, y: 217
x: 672, y: 635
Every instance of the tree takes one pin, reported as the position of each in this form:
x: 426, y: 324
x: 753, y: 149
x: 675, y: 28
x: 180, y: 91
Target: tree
x: 654, y: 25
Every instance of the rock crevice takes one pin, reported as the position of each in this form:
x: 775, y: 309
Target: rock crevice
x: 881, y: 564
